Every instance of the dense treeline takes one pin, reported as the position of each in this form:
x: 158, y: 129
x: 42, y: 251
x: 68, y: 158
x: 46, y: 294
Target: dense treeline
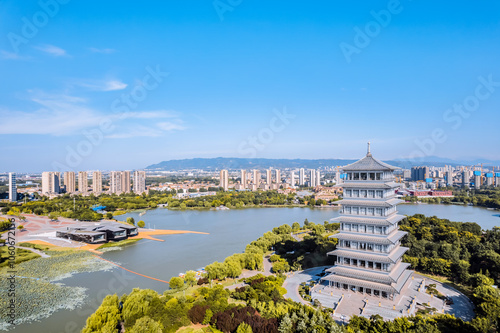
x: 451, y: 249
x: 488, y: 197
x: 468, y: 255
x: 80, y: 207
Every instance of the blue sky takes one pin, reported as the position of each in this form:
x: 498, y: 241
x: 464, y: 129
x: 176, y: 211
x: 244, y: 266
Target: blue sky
x: 121, y: 84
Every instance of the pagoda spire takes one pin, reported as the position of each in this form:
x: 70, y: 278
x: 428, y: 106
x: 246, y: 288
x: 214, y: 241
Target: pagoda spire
x: 368, y: 152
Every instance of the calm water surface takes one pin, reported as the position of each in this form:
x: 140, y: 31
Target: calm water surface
x: 229, y: 232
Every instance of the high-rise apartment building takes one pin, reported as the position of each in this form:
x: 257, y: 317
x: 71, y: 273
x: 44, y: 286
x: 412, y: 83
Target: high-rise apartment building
x: 50, y: 182
x: 318, y: 178
x: 278, y: 176
x: 224, y: 179
x: 312, y: 178
x: 69, y: 181
x: 302, y: 177
x: 12, y: 187
x: 119, y: 182
x: 139, y: 182
x: 292, y: 178
x: 97, y: 182
x: 83, y: 182
x: 269, y: 176
x: 243, y: 179
x: 115, y: 182
x: 256, y: 177
x: 420, y: 173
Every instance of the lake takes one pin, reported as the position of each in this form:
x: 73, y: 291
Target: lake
x: 229, y: 232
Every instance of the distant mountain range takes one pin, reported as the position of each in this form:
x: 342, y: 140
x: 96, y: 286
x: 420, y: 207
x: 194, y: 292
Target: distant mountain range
x: 264, y: 163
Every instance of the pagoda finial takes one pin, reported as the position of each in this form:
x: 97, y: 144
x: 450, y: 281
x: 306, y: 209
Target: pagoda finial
x: 368, y: 153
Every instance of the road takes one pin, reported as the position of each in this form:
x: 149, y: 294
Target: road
x: 292, y: 283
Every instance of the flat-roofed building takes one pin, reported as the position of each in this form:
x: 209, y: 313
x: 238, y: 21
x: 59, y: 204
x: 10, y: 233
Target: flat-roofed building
x: 69, y: 181
x: 224, y: 179
x: 139, y: 182
x: 12, y: 187
x: 83, y: 182
x: 50, y: 182
x: 97, y: 182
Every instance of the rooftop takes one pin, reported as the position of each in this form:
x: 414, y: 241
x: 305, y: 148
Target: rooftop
x: 369, y: 163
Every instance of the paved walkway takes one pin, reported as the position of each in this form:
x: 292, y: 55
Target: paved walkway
x: 296, y: 278
x: 354, y: 303
x: 42, y: 254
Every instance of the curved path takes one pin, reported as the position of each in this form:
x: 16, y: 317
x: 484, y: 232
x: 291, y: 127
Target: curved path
x: 294, y: 279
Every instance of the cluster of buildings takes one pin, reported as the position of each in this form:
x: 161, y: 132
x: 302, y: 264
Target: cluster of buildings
x: 425, y: 177
x: 273, y: 179
x: 78, y: 183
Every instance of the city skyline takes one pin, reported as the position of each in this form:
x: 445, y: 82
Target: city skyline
x: 425, y: 75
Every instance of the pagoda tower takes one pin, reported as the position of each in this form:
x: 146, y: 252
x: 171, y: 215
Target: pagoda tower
x: 368, y: 254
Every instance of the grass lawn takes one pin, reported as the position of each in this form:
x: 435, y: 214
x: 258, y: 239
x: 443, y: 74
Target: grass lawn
x: 120, y: 243
x: 20, y: 256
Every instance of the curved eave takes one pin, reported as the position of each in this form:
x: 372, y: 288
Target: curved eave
x: 370, y: 202
x: 393, y: 219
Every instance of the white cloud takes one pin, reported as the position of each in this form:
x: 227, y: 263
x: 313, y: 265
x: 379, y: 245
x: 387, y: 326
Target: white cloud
x: 103, y: 51
x: 52, y: 50
x: 12, y: 56
x: 56, y: 115
x: 63, y: 114
x: 151, y: 114
x: 102, y: 85
x: 170, y: 126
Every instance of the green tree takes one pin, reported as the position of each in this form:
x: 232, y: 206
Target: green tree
x: 244, y: 328
x: 147, y: 325
x: 130, y: 220
x: 176, y: 282
x: 190, y: 277
x: 141, y: 224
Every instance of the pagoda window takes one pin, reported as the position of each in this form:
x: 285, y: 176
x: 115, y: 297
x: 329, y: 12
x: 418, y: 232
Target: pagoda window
x: 369, y: 247
x: 379, y: 212
x: 346, y: 261
x: 380, y: 194
x: 372, y: 175
x: 362, y: 228
x: 348, y: 193
x: 347, y: 244
x: 369, y: 229
x: 363, y: 194
x: 371, y: 194
x: 348, y: 176
x: 347, y: 210
x: 362, y: 246
x: 363, y: 176
x: 362, y: 263
x: 362, y: 211
x: 354, y: 262
x: 378, y: 176
x: 347, y: 226
x: 371, y: 211
x: 378, y: 230
x: 370, y: 264
x: 378, y: 247
x: 355, y: 210
x: 355, y: 193
x: 384, y: 229
x: 355, y: 176
x: 355, y: 227
x: 378, y: 266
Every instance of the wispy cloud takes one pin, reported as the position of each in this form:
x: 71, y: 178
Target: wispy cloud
x: 170, y: 126
x: 12, y: 56
x: 56, y: 115
x: 52, y: 50
x: 64, y: 114
x: 102, y: 85
x: 103, y: 51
